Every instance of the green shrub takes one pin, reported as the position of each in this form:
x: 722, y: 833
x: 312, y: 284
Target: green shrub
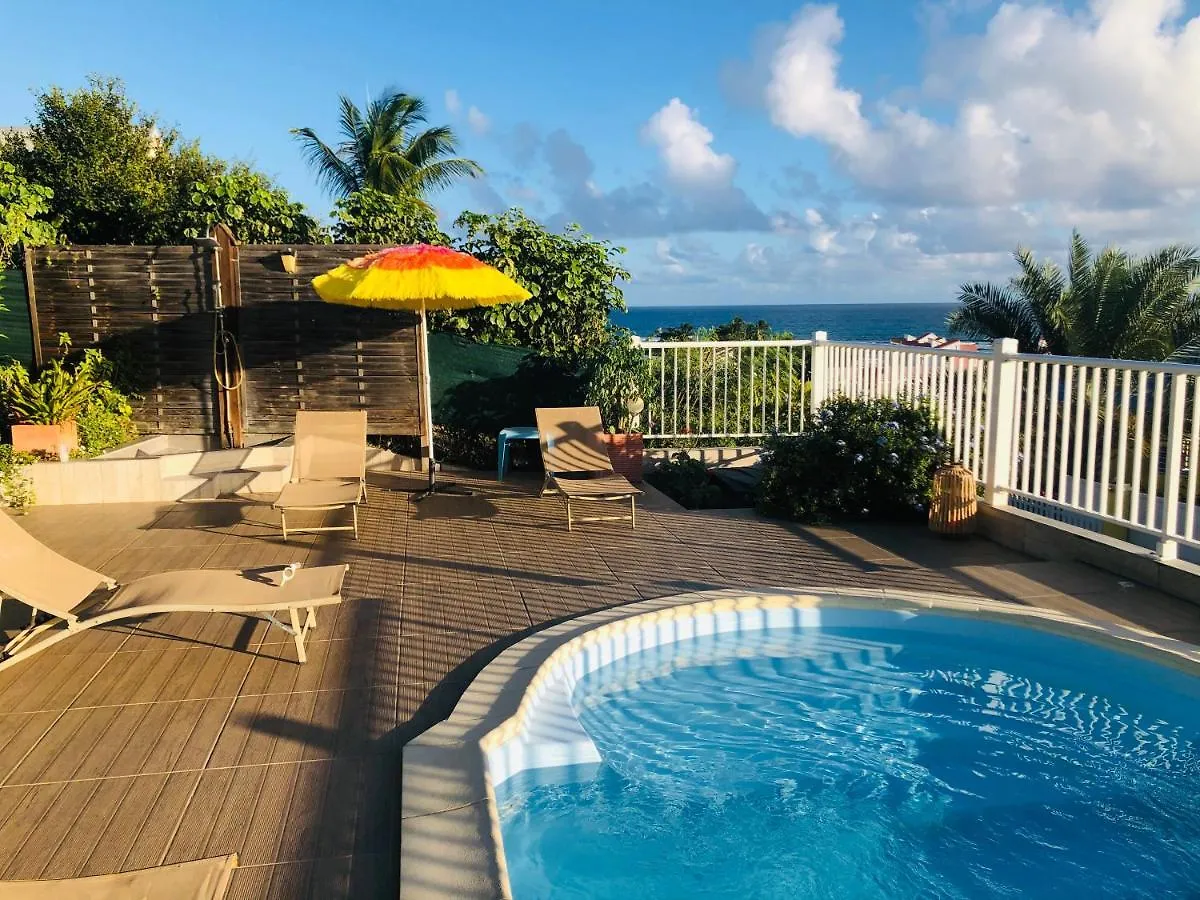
x: 686, y: 481
x: 870, y: 459
x: 16, y: 490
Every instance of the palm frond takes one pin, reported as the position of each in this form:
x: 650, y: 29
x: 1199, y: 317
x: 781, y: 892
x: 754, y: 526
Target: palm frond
x: 379, y: 150
x: 1042, y: 286
x: 332, y: 171
x: 1159, y: 304
x: 991, y: 311
x: 444, y: 172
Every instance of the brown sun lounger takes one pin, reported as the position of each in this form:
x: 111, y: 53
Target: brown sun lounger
x: 577, y: 464
x: 201, y: 879
x: 329, y: 468
x: 78, y: 598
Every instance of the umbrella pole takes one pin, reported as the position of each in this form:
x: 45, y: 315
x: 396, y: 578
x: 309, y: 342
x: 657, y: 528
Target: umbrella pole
x: 427, y: 413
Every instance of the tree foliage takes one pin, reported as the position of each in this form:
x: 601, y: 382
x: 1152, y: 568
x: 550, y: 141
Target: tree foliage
x: 736, y: 329
x: 386, y: 148
x: 115, y: 175
x: 574, y: 279
x: 24, y: 215
x: 1110, y: 304
x: 369, y: 216
x: 257, y: 211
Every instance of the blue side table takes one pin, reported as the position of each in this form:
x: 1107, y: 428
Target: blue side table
x: 517, y: 433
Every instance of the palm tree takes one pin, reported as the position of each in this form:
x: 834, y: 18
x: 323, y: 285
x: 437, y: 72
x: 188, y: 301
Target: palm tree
x: 386, y: 149
x: 1112, y: 305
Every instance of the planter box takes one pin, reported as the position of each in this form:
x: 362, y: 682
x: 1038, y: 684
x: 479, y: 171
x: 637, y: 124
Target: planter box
x: 57, y: 440
x: 626, y: 452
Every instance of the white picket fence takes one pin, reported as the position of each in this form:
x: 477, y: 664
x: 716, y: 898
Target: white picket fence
x: 1096, y: 439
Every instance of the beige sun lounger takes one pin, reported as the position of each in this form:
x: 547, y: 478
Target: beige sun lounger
x: 76, y: 598
x: 202, y: 879
x: 577, y: 464
x: 329, y: 468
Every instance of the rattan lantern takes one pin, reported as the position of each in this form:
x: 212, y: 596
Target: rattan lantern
x: 953, y: 509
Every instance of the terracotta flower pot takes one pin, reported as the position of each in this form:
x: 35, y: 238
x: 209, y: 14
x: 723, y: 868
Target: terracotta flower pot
x: 626, y: 452
x: 57, y: 440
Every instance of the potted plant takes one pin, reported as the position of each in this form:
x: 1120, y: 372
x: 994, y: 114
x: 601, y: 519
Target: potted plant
x: 617, y: 376
x: 626, y: 447
x: 42, y: 410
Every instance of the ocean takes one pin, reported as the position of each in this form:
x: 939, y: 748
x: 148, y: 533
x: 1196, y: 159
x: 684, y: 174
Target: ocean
x: 843, y: 321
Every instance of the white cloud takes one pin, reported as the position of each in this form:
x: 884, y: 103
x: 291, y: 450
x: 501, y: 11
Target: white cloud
x: 685, y: 146
x: 477, y: 121
x: 821, y: 237
x: 453, y: 103
x: 803, y: 95
x: 1049, y: 108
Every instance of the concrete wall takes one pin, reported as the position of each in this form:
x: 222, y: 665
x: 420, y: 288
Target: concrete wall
x: 1044, y: 539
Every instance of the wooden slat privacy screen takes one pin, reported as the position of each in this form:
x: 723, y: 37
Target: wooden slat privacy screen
x: 157, y: 304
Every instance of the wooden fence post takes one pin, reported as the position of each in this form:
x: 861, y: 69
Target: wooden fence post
x: 227, y: 286
x: 31, y: 303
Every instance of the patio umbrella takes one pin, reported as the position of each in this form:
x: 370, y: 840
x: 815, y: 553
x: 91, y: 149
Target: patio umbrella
x: 419, y: 277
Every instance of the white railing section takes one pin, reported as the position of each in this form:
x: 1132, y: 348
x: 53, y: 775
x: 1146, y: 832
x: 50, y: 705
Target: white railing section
x: 1098, y: 440
x: 1112, y: 439
x: 956, y: 382
x: 727, y: 389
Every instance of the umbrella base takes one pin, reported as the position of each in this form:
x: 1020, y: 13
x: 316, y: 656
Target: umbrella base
x: 439, y: 487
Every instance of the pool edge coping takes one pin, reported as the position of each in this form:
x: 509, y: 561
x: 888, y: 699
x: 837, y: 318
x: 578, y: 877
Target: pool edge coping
x: 450, y: 833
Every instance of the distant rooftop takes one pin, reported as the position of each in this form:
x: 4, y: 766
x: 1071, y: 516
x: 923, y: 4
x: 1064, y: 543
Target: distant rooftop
x: 931, y: 340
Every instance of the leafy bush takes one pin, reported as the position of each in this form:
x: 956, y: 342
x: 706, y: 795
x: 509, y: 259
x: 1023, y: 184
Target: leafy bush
x: 870, y: 459
x: 107, y: 421
x: 255, y: 210
x: 16, y: 490
x: 614, y: 372
x: 368, y: 216
x: 686, y: 481
x: 24, y: 210
x: 79, y: 388
x: 573, y: 278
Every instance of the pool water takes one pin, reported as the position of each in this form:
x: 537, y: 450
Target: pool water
x: 901, y: 756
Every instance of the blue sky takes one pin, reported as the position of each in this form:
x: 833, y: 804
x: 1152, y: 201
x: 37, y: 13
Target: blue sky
x: 869, y: 150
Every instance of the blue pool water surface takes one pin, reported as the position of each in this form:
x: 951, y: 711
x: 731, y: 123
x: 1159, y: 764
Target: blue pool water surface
x: 900, y: 757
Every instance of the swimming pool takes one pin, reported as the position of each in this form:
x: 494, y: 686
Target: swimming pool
x: 848, y: 747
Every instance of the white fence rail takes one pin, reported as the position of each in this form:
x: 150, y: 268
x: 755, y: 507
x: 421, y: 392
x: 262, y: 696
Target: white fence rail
x: 727, y: 389
x: 1110, y: 440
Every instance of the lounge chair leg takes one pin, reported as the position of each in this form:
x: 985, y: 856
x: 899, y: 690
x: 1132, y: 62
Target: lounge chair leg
x: 568, y: 514
x: 354, y: 512
x: 298, y: 632
x: 311, y: 622
x: 633, y: 511
x: 283, y: 520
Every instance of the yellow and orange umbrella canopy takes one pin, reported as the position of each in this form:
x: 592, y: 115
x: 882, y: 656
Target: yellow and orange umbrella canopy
x: 418, y: 277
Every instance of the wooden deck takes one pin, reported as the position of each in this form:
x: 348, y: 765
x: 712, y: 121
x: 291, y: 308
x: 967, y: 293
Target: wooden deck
x: 187, y: 736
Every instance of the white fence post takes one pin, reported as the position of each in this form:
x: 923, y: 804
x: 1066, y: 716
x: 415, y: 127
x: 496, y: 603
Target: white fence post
x: 820, y: 368
x: 1001, y: 412
x: 1168, y: 547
